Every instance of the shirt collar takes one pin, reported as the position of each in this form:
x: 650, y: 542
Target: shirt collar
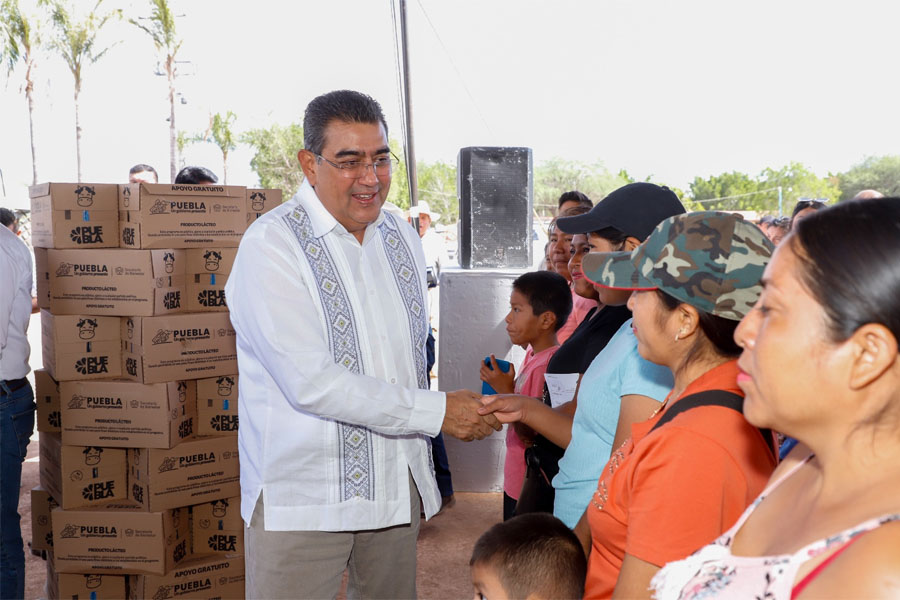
x: 321, y: 220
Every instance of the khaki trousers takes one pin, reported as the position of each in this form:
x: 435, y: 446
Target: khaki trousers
x: 311, y: 564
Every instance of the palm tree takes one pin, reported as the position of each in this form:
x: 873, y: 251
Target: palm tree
x: 219, y: 132
x: 162, y: 31
x: 19, y: 39
x: 76, y: 42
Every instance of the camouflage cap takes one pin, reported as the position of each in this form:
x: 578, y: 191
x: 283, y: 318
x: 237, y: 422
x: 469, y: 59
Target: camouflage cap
x: 711, y: 260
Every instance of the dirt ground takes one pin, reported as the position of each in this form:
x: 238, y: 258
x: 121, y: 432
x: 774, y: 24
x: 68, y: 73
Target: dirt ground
x: 445, y: 542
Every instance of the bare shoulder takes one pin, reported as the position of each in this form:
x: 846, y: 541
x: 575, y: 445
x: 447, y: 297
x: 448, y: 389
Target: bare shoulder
x: 870, y: 568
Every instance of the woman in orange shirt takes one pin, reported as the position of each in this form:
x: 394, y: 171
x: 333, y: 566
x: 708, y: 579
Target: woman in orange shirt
x: 687, y: 473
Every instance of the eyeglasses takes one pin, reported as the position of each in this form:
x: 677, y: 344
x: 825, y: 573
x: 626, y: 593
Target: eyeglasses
x: 355, y: 169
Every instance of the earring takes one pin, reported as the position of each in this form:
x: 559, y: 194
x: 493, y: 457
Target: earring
x: 677, y: 336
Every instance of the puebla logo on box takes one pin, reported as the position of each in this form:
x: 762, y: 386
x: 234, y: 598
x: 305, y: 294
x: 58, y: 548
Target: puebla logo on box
x: 71, y: 531
x: 87, y: 234
x: 211, y: 298
x: 100, y: 490
x: 165, y: 336
x: 184, y: 587
x: 79, y: 401
x: 66, y: 269
x: 92, y: 365
x: 224, y: 422
x: 180, y: 207
x: 222, y: 543
x: 172, y: 300
x: 172, y: 463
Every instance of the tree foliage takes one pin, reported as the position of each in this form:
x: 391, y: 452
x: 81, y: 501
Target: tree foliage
x: 799, y: 182
x: 437, y: 186
x: 275, y: 159
x: 399, y: 193
x: 77, y: 42
x: 161, y: 29
x: 19, y: 40
x: 739, y: 191
x: 221, y: 133
x: 881, y: 173
x: 557, y: 175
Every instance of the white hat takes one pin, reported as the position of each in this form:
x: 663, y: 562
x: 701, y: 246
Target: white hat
x: 424, y: 209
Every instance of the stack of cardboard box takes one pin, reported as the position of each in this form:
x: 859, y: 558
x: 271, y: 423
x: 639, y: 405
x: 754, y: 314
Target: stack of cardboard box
x: 137, y: 401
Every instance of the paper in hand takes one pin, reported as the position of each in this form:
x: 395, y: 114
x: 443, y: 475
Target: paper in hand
x: 561, y: 386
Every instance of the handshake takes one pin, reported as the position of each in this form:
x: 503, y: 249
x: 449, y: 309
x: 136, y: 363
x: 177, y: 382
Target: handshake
x: 462, y: 419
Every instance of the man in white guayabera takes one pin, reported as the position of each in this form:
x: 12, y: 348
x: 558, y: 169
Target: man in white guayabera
x: 328, y: 298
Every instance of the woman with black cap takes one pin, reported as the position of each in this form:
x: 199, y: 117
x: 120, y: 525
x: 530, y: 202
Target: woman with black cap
x: 576, y: 431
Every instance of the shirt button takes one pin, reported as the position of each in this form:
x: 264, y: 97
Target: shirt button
x: 393, y: 380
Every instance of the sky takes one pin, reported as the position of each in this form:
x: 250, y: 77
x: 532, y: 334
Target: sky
x: 669, y: 90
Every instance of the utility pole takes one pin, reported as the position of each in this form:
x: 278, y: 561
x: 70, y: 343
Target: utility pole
x: 409, y: 146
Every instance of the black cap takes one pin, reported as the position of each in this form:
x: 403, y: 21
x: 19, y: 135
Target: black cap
x: 634, y: 209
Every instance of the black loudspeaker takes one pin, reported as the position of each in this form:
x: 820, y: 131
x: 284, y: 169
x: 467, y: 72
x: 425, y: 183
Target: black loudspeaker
x: 495, y: 199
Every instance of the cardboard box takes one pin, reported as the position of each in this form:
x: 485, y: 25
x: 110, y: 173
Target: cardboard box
x: 120, y: 539
x: 126, y: 414
x: 174, y: 347
x: 78, y: 476
x: 156, y: 215
x: 66, y: 586
x: 260, y: 201
x: 78, y: 347
x: 207, y: 271
x: 46, y: 397
x: 74, y: 215
x: 112, y: 282
x: 41, y: 277
x: 192, y: 472
x: 217, y: 526
x: 217, y: 405
x: 42, y: 504
x: 201, y: 577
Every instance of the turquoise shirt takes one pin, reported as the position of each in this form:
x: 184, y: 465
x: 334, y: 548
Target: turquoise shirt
x: 617, y: 371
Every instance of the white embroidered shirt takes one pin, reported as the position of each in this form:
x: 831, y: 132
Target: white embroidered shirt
x: 331, y: 356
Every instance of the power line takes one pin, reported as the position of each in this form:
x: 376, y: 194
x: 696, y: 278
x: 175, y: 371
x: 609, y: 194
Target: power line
x: 736, y: 195
x: 458, y: 73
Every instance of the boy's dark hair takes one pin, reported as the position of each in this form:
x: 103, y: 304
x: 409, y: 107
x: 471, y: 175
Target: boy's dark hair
x: 575, y: 196
x: 142, y: 168
x: 342, y: 105
x: 196, y: 176
x: 546, y: 291
x: 534, y: 554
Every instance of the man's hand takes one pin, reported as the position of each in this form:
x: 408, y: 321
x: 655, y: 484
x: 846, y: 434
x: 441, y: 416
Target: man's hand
x: 508, y: 408
x: 461, y: 418
x: 503, y: 383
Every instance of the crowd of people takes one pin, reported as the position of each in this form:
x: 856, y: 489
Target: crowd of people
x: 735, y: 431
x: 707, y: 407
